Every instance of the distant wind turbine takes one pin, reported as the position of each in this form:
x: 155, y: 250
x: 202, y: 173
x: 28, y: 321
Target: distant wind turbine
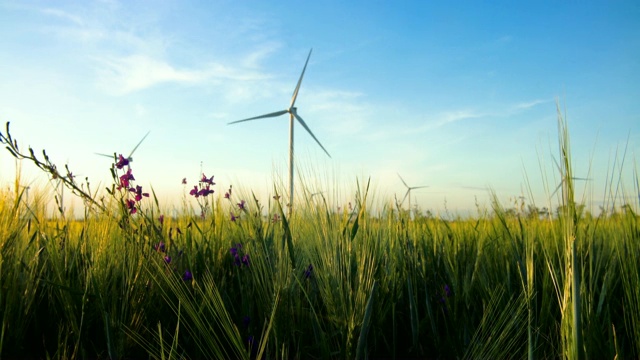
x: 292, y: 111
x: 129, y: 158
x: 564, y: 178
x: 408, y: 193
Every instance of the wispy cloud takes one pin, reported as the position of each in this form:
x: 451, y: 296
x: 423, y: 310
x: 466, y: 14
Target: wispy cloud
x: 453, y: 116
x: 345, y: 111
x: 528, y: 105
x: 128, y: 74
x: 123, y: 75
x: 127, y: 60
x: 260, y: 53
x: 77, y: 20
x: 403, y: 126
x: 72, y: 27
x: 449, y: 117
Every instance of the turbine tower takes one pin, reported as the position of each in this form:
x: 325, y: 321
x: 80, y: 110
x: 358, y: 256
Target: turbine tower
x: 293, y: 114
x: 408, y: 193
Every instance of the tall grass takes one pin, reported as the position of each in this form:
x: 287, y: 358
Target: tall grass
x: 246, y: 280
x: 570, y: 300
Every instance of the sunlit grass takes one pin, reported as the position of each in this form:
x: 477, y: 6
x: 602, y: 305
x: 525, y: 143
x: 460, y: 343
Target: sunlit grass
x: 233, y: 277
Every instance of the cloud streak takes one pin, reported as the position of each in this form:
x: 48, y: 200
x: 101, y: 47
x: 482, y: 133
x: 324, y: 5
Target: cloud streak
x: 63, y: 15
x: 431, y: 122
x: 450, y: 117
x: 124, y: 75
x: 130, y: 61
x: 453, y: 116
x: 527, y: 105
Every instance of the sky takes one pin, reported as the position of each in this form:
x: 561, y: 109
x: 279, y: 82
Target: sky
x: 460, y: 96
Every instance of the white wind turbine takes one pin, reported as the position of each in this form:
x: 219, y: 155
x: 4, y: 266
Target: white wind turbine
x: 408, y: 193
x: 563, y: 181
x: 128, y: 158
x: 292, y: 111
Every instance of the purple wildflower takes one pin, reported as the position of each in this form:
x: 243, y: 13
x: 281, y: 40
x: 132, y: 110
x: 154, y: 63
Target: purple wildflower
x: 234, y: 250
x: 160, y: 247
x: 161, y: 220
x: 131, y: 205
x: 138, y: 192
x: 194, y: 191
x: 206, y: 191
x: 122, y: 162
x: 308, y: 272
x: 167, y: 259
x: 233, y: 217
x: 238, y: 258
x: 227, y: 195
x: 187, y: 276
x: 446, y: 294
x: 124, y: 179
x: 241, y: 205
x: 184, y: 181
x: 207, y: 181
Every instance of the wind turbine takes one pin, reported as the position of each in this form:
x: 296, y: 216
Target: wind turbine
x: 293, y: 114
x: 121, y: 159
x: 564, y: 179
x: 408, y: 193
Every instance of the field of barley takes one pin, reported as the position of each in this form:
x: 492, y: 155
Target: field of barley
x: 236, y: 278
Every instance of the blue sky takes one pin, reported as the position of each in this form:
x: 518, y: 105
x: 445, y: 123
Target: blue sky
x: 460, y: 96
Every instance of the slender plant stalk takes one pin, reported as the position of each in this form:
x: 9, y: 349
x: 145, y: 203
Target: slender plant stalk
x: 571, y: 300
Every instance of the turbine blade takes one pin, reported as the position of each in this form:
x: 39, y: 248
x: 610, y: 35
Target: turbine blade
x: 273, y: 114
x: 558, y: 188
x: 134, y: 149
x: 420, y: 187
x: 405, y: 197
x: 105, y: 155
x: 309, y: 131
x: 295, y: 92
x: 405, y: 184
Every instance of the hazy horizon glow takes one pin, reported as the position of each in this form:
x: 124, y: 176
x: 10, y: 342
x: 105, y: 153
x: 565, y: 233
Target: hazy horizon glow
x: 460, y: 97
